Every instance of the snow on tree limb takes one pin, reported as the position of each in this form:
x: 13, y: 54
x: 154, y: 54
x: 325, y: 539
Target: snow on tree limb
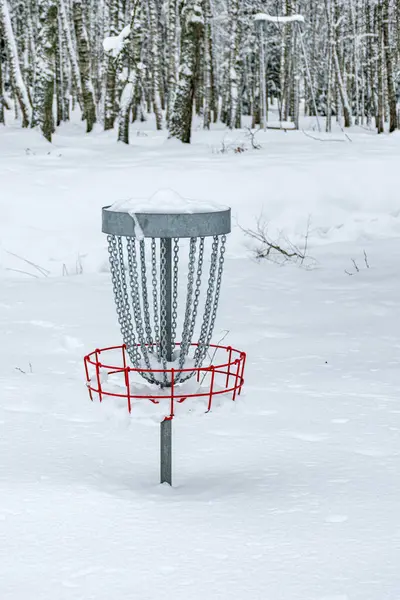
x: 277, y: 19
x: 114, y: 44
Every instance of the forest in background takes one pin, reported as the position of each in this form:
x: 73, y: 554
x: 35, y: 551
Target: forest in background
x: 119, y: 61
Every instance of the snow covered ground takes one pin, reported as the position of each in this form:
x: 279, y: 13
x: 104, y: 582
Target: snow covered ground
x: 291, y: 496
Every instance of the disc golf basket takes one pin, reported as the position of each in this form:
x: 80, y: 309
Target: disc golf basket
x: 154, y: 245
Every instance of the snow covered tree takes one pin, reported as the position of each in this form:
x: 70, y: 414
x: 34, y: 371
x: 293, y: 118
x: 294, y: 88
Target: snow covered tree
x: 391, y: 91
x: 45, y: 68
x: 192, y: 39
x: 134, y: 49
x: 210, y: 109
x: 110, y: 102
x: 2, y: 99
x: 234, y: 65
x: 68, y: 36
x: 156, y: 69
x: 17, y: 81
x: 89, y: 107
x: 227, y: 58
x: 172, y: 37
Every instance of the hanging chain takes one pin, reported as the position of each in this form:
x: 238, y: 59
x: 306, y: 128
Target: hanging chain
x: 155, y: 297
x: 163, y: 306
x: 186, y: 323
x: 202, y: 348
x: 216, y: 297
x: 117, y: 270
x: 189, y: 334
x: 197, y: 290
x: 175, y: 293
x: 133, y: 310
x: 135, y: 294
x: 146, y: 307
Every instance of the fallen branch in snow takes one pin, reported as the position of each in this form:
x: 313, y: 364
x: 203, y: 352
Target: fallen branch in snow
x: 23, y: 272
x: 281, y: 250
x: 317, y: 139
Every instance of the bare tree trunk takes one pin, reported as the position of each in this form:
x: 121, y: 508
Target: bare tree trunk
x: 84, y: 66
x: 17, y: 81
x: 155, y: 63
x: 331, y: 16
x: 380, y: 114
x: 173, y: 55
x: 130, y: 88
x: 110, y: 101
x: 2, y: 101
x: 234, y: 68
x: 389, y: 67
x: 192, y: 38
x: 45, y: 69
x: 70, y: 45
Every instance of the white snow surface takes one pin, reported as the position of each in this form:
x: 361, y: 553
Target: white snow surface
x: 293, y: 494
x: 279, y: 19
x: 165, y: 201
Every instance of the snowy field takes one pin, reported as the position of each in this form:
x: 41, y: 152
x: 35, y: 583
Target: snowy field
x: 294, y: 495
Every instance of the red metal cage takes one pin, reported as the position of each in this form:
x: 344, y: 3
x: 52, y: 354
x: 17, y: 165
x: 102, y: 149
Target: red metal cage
x: 214, y: 380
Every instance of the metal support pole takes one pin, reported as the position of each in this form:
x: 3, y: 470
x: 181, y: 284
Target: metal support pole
x: 166, y: 426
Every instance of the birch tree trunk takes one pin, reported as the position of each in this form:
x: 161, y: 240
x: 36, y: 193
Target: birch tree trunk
x: 380, y: 119
x: 2, y: 101
x: 45, y: 69
x: 234, y: 113
x: 71, y: 50
x: 337, y: 64
x: 172, y: 55
x: 89, y: 107
x: 155, y: 62
x: 192, y: 38
x: 208, y: 66
x: 17, y: 81
x: 110, y: 111
x: 389, y: 67
x: 130, y: 88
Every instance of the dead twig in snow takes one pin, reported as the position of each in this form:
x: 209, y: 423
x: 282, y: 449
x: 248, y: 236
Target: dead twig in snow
x: 317, y: 139
x: 251, y: 134
x: 280, y: 250
x: 356, y: 267
x: 211, y: 357
x: 41, y: 270
x: 23, y: 272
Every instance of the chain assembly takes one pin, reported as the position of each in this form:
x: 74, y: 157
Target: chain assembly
x: 147, y: 308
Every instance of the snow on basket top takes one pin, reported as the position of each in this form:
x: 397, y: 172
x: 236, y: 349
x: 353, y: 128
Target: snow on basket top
x: 166, y: 214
